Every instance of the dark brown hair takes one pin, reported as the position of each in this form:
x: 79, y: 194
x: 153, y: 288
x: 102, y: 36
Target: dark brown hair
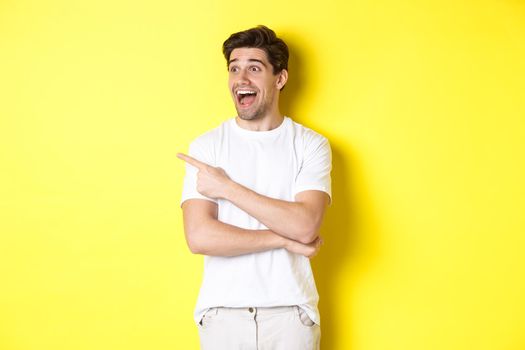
x: 260, y: 37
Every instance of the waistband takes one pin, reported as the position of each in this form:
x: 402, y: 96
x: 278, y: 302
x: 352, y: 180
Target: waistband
x: 252, y: 311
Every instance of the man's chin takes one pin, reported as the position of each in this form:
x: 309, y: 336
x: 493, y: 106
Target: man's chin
x: 245, y: 115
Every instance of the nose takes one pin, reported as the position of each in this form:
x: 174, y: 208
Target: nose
x: 243, y: 78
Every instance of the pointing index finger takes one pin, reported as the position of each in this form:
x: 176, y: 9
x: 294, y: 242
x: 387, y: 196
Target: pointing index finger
x: 192, y: 161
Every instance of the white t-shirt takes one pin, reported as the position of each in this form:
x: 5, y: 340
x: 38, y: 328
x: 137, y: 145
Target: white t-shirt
x: 279, y: 164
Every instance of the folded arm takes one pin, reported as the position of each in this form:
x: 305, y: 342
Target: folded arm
x: 206, y: 235
x: 299, y: 220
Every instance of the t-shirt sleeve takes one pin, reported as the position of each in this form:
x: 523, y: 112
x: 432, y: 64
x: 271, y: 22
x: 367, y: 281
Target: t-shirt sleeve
x: 201, y: 151
x: 314, y: 173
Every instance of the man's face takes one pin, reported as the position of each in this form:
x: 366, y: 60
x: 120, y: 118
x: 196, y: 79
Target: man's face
x: 253, y: 85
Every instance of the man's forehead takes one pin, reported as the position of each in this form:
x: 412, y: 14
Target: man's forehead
x: 248, y: 54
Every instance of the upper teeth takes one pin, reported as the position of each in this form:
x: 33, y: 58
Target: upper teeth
x: 244, y: 92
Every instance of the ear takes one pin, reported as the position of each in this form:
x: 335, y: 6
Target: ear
x: 282, y: 79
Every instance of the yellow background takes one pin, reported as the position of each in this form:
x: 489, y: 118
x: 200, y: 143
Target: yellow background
x: 423, y: 103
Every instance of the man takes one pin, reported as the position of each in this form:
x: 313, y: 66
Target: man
x: 254, y: 196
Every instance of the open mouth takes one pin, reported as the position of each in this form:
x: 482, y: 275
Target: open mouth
x: 245, y: 98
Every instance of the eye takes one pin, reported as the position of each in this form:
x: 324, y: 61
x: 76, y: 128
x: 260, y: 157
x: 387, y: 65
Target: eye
x: 255, y: 69
x: 233, y: 69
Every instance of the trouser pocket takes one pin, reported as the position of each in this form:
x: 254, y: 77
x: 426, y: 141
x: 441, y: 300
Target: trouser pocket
x: 304, y: 318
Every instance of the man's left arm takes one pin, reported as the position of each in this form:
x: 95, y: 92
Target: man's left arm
x: 299, y: 220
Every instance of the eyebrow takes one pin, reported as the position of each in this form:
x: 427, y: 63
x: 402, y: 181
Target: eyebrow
x: 249, y: 60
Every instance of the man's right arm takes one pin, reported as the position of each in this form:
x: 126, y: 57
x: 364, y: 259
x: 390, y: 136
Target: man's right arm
x: 206, y: 235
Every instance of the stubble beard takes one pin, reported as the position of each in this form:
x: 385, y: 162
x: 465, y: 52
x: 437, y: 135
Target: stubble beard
x: 246, y: 115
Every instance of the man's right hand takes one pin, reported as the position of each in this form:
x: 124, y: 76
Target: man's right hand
x: 309, y: 250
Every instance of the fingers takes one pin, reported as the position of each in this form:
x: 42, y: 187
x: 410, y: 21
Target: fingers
x: 192, y: 161
x: 318, y: 243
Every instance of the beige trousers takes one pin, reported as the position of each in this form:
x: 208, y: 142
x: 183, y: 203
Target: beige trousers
x: 254, y: 328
